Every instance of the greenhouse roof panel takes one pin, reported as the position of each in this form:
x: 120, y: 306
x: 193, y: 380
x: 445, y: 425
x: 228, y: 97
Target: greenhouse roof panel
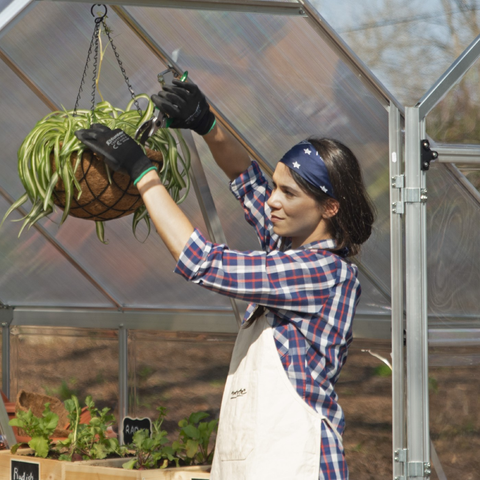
x: 252, y: 71
x: 272, y: 77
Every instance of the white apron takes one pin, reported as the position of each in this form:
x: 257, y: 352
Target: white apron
x: 266, y: 430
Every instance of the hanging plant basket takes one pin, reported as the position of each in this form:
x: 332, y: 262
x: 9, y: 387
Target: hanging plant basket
x: 56, y: 169
x: 101, y: 198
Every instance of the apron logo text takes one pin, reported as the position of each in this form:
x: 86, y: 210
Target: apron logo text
x: 238, y: 393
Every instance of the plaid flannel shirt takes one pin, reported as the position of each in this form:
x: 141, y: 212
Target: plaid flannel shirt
x: 310, y: 293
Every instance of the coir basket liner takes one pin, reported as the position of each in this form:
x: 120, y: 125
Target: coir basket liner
x: 100, y: 199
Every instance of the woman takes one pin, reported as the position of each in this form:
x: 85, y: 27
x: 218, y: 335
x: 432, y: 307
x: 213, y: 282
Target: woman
x: 279, y: 417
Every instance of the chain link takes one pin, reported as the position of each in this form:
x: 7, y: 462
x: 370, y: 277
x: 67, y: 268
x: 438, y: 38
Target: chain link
x: 94, y: 43
x: 120, y: 64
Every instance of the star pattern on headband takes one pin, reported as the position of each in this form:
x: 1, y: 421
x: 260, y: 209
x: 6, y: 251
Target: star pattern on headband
x: 296, y: 164
x: 307, y: 151
x: 324, y: 189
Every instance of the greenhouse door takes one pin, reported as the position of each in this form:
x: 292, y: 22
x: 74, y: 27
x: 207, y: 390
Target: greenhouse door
x: 414, y: 454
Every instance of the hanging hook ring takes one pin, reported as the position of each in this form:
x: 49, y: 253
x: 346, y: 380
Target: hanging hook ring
x: 99, y: 19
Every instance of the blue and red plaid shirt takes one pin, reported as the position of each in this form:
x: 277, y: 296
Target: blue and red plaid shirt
x: 310, y: 293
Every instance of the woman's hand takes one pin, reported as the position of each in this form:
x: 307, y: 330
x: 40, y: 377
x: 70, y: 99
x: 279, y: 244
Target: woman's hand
x: 121, y: 152
x: 186, y: 106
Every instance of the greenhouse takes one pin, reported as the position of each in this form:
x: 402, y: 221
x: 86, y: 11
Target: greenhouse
x: 109, y: 319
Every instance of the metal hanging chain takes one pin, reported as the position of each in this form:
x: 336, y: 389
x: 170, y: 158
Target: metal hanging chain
x: 120, y: 64
x: 94, y: 44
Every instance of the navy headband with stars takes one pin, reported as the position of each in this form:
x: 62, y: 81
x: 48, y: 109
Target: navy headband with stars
x: 304, y: 159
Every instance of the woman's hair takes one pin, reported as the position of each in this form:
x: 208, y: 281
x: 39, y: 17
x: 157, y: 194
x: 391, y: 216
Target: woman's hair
x: 352, y: 225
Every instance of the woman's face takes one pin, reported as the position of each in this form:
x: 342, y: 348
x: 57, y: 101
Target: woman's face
x: 295, y: 214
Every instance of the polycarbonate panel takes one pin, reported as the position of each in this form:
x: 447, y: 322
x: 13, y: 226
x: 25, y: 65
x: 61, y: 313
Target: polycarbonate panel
x: 35, y: 273
x: 373, y: 300
x: 139, y: 273
x: 20, y: 111
x: 136, y: 274
x: 251, y: 68
x: 61, y: 362
x: 454, y: 388
x: 453, y: 250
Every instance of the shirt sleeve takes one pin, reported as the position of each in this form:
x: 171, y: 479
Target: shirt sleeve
x: 251, y: 188
x: 299, y: 280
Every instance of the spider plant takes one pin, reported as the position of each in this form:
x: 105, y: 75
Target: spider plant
x: 54, y: 137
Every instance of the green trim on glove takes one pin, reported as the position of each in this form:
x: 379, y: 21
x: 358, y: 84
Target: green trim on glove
x: 211, y: 128
x: 143, y: 174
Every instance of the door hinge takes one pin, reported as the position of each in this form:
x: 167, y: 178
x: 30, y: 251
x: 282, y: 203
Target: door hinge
x: 419, y: 469
x: 407, y: 195
x: 401, y: 457
x: 411, y: 469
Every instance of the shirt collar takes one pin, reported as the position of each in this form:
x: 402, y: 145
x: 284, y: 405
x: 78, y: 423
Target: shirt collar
x: 328, y: 244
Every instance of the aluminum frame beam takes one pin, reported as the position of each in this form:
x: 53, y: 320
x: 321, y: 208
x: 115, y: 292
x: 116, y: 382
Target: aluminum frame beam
x: 397, y: 297
x: 458, y: 154
x: 245, y: 6
x: 122, y: 377
x: 207, y: 205
x: 6, y: 318
x: 449, y: 79
x: 418, y: 435
x: 12, y: 13
x: 206, y: 321
x: 6, y: 429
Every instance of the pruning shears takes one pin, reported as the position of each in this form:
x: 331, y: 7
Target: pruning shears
x: 158, y: 120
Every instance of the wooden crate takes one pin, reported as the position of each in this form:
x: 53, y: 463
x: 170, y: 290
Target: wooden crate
x: 95, y: 470
x: 112, y: 470
x: 48, y: 469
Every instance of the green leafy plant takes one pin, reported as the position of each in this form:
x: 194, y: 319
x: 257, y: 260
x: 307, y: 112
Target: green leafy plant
x: 151, y: 451
x: 40, y: 429
x: 89, y: 441
x: 193, y: 448
x: 45, y: 158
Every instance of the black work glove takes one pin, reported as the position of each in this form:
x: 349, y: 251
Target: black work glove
x: 186, y: 106
x: 122, y: 153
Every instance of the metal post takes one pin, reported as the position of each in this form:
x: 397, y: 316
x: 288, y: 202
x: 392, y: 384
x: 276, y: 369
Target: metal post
x: 6, y: 320
x: 207, y: 205
x: 397, y: 295
x: 122, y: 378
x: 418, y: 458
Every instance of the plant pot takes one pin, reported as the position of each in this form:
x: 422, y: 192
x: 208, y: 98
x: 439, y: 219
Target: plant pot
x: 36, y: 403
x: 110, y: 469
x: 100, y: 199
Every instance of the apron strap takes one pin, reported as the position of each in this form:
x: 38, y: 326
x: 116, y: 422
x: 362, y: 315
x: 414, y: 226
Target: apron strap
x: 335, y: 431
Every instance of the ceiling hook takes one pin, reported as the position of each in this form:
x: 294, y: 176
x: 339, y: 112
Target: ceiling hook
x: 98, y: 18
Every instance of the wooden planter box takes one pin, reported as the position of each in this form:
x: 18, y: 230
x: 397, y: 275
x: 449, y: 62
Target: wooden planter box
x: 92, y: 470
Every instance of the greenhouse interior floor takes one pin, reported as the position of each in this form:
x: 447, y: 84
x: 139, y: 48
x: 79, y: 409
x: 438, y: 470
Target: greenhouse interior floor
x: 186, y: 373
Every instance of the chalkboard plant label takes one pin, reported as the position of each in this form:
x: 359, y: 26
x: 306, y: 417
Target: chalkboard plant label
x: 132, y: 425
x: 24, y: 470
